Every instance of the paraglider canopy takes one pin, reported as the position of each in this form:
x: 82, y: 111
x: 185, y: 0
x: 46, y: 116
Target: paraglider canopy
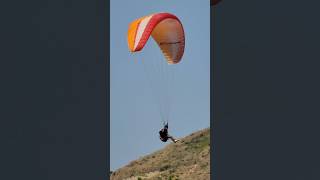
x: 165, y: 28
x: 168, y: 34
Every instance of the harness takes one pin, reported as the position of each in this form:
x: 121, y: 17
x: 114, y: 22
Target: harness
x: 163, y: 135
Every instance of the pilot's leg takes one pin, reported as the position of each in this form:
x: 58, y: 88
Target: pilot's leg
x: 172, y: 139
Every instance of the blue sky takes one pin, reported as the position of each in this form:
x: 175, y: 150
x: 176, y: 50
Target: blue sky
x: 135, y: 119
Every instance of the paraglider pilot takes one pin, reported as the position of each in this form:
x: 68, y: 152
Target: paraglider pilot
x: 164, y: 136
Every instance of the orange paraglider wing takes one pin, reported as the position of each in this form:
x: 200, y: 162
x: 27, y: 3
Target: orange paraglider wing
x: 165, y: 28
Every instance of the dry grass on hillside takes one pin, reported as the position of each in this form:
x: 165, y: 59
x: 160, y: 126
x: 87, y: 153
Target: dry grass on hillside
x: 187, y: 159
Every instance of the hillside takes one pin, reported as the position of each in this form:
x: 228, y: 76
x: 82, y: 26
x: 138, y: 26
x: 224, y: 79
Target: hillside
x: 187, y: 159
